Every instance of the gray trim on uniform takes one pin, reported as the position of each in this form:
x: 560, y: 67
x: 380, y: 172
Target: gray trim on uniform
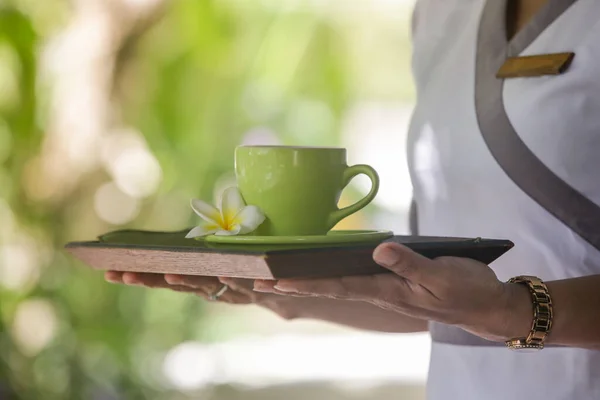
x: 542, y: 20
x: 518, y: 162
x: 413, y: 219
x: 521, y: 165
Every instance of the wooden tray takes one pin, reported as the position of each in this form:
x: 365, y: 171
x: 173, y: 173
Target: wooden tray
x: 170, y: 252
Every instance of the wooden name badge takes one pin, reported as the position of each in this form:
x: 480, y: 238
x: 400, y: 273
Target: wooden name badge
x: 538, y: 65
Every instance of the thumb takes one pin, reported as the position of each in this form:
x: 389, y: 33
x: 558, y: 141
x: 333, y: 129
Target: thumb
x: 402, y: 261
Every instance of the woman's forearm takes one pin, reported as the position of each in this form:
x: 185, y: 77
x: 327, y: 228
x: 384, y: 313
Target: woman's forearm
x: 576, y: 304
x: 355, y: 314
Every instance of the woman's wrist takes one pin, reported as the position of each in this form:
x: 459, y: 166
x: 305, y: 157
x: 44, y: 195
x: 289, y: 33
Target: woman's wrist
x: 508, y: 316
x: 516, y: 315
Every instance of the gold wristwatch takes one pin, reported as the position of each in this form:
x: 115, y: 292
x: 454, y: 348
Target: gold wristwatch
x: 542, y: 314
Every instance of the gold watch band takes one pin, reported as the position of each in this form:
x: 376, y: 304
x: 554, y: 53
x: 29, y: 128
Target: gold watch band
x: 542, y: 314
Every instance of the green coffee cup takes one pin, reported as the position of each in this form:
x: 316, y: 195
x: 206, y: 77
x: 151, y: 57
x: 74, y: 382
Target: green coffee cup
x: 298, y: 188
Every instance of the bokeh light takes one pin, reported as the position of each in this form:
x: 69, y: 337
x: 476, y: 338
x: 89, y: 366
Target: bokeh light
x: 34, y: 325
x: 19, y: 266
x: 134, y: 168
x: 114, y: 206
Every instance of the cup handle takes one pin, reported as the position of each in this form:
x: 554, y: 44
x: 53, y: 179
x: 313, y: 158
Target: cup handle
x: 350, y: 173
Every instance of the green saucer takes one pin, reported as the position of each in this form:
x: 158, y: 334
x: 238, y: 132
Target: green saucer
x: 333, y: 237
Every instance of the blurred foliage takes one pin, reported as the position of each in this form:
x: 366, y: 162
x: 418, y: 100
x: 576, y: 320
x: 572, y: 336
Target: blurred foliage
x: 194, y: 77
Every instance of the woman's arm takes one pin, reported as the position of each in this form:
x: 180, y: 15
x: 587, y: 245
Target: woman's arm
x: 356, y: 314
x: 467, y: 294
x: 576, y: 304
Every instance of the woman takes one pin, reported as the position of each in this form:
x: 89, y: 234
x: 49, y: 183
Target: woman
x: 514, y: 156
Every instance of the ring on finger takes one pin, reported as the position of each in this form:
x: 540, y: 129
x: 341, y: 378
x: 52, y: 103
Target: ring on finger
x: 215, y: 296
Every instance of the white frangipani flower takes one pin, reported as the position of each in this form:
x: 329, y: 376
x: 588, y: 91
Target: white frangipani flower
x: 233, y: 217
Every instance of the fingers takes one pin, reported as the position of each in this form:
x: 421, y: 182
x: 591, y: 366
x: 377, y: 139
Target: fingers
x: 156, y: 281
x: 143, y: 279
x: 233, y: 297
x: 349, y: 288
x: 244, y: 286
x: 264, y: 286
x: 406, y: 263
x: 150, y: 280
x: 268, y: 286
x: 239, y: 291
x: 206, y: 286
x: 134, y: 278
x: 113, y: 276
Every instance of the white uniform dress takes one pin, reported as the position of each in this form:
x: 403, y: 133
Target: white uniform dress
x: 515, y: 159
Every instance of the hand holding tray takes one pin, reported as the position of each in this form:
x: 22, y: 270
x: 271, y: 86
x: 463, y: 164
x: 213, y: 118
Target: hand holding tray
x: 170, y: 252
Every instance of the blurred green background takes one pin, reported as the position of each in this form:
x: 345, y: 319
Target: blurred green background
x: 113, y: 113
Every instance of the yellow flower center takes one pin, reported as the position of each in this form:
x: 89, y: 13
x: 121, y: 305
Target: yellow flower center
x: 228, y: 220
